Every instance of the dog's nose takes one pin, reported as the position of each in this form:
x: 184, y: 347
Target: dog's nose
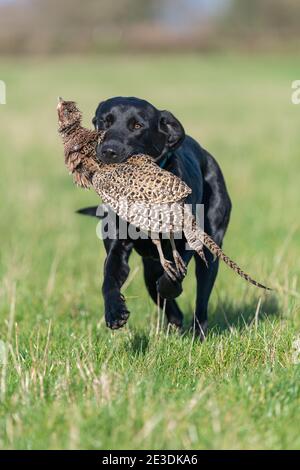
x: 109, y: 154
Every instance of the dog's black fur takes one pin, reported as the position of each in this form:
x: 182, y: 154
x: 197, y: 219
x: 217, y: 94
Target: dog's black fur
x: 135, y: 126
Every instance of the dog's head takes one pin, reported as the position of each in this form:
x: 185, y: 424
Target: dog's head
x: 135, y: 126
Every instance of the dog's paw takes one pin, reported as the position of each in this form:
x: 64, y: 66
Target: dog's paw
x: 116, y: 313
x: 167, y: 288
x: 175, y: 323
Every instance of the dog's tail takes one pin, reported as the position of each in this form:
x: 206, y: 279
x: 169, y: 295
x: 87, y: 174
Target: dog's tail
x: 91, y: 211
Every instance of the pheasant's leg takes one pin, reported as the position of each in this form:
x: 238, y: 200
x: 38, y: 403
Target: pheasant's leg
x: 200, y: 252
x: 167, y: 288
x: 179, y: 263
x: 166, y: 264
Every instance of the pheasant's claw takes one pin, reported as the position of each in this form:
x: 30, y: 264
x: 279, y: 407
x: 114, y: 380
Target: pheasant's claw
x: 202, y: 256
x: 179, y: 263
x: 170, y: 269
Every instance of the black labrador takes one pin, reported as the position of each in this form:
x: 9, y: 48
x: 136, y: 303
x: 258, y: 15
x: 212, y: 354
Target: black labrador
x: 135, y: 126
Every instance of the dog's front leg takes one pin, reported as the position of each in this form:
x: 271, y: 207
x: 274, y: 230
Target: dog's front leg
x: 116, y: 270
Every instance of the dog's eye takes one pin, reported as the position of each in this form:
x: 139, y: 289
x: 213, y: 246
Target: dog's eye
x: 109, y: 121
x: 99, y: 124
x: 137, y: 125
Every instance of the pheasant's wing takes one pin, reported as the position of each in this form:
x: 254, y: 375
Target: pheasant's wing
x: 157, y: 218
x: 150, y: 183
x: 141, y: 179
x: 154, y: 217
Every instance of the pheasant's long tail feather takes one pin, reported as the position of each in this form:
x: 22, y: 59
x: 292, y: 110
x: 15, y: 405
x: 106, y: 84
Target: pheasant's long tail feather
x: 196, y: 238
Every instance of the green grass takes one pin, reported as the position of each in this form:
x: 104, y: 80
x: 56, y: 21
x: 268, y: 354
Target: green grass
x: 69, y: 382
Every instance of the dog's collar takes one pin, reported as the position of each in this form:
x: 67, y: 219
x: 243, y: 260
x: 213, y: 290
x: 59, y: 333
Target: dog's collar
x: 165, y: 160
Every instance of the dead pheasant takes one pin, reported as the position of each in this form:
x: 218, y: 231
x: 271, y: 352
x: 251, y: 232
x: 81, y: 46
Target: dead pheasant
x: 138, y: 190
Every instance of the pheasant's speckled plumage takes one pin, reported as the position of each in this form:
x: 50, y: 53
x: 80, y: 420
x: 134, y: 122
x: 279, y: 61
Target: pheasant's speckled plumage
x: 138, y: 190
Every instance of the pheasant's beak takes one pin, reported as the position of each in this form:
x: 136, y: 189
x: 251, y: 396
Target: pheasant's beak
x: 60, y: 101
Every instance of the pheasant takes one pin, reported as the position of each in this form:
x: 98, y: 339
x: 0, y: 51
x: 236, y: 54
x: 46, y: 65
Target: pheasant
x: 139, y: 191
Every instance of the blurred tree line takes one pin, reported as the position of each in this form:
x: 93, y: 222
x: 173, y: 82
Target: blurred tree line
x: 53, y: 26
x: 263, y: 23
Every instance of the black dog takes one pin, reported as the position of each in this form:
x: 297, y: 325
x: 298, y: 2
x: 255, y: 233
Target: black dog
x: 133, y: 125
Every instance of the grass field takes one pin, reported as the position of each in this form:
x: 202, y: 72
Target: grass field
x: 66, y: 381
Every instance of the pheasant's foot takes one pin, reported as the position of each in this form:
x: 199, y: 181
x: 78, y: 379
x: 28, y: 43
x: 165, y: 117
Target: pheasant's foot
x: 202, y: 256
x: 166, y: 264
x: 170, y: 269
x: 179, y: 263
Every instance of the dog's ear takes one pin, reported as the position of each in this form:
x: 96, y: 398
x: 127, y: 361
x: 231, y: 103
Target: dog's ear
x: 94, y: 121
x: 172, y: 128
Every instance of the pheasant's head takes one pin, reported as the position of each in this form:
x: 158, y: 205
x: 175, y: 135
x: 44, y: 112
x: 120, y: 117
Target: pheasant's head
x: 68, y: 114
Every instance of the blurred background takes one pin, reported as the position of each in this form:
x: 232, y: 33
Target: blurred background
x: 55, y: 27
x: 225, y: 69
